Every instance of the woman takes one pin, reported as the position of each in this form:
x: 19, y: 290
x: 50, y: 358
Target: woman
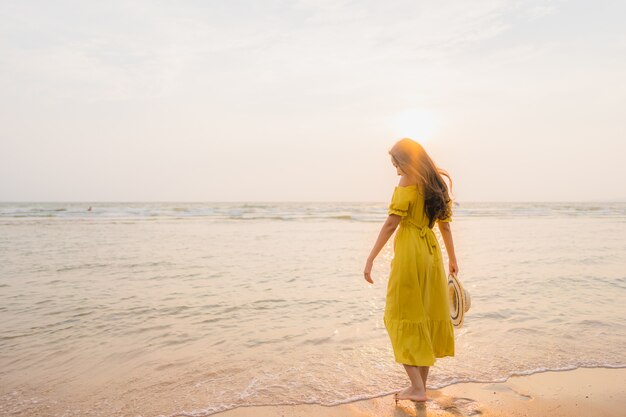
x: 417, y: 312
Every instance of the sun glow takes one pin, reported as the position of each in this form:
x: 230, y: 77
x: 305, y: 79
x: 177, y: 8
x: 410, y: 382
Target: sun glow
x: 417, y: 124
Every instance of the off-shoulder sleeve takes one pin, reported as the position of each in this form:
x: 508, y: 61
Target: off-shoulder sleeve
x: 400, y: 201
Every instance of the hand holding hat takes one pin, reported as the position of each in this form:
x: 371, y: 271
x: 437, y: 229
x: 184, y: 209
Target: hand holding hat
x: 460, y: 300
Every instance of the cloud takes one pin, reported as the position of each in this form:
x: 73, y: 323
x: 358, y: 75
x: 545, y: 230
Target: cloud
x: 539, y: 11
x: 122, y: 50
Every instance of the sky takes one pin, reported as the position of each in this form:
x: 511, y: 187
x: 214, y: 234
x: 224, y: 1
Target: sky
x: 302, y: 100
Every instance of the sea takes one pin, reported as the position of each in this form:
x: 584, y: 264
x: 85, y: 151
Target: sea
x: 189, y: 309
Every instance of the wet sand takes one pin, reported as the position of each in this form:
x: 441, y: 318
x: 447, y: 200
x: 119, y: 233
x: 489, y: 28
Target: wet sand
x: 598, y: 392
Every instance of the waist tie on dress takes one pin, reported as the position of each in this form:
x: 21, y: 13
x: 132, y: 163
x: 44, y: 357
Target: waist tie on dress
x: 424, y: 232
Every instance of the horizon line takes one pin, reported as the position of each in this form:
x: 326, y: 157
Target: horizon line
x: 298, y: 201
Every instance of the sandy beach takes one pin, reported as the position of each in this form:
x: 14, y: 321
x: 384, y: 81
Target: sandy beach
x: 597, y: 392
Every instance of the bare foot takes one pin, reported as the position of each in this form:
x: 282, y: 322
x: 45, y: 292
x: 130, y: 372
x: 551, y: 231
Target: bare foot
x: 411, y: 393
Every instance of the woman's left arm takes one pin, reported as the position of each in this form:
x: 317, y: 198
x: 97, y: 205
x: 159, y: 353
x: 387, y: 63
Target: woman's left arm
x: 446, y: 234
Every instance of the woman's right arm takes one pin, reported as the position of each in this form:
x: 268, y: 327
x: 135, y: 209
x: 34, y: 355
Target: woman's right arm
x: 386, y: 231
x: 446, y: 234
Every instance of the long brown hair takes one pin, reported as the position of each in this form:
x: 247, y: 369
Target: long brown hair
x: 413, y: 160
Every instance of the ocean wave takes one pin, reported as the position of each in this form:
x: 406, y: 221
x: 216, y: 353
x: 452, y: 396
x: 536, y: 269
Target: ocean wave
x: 359, y: 212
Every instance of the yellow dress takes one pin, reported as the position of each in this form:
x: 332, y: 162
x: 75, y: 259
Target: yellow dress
x: 417, y: 312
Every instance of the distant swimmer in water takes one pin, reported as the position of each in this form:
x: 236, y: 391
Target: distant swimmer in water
x: 89, y: 209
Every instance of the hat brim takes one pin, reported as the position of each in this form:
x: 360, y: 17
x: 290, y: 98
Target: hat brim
x: 459, y: 300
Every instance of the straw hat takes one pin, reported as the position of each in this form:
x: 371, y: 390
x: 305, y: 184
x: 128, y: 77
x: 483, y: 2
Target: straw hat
x: 460, y: 300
